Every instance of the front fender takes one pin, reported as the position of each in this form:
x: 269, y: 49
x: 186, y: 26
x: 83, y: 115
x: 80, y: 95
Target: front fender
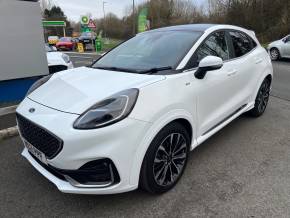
x: 152, y: 132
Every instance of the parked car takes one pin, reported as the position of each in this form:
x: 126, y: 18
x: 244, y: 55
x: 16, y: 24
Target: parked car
x: 131, y: 119
x: 57, y: 61
x: 87, y: 38
x: 52, y: 40
x: 65, y: 43
x: 280, y: 48
x: 75, y: 40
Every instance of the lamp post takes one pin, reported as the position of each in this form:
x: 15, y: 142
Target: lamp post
x: 134, y: 24
x: 104, y: 18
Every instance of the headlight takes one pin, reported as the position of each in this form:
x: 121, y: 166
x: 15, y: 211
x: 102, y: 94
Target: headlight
x: 66, y: 58
x: 38, y: 83
x: 108, y: 111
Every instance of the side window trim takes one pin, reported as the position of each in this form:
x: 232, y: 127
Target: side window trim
x: 230, y: 45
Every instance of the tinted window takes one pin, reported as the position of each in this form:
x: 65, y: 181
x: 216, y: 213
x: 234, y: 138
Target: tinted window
x: 150, y: 50
x: 242, y: 43
x: 214, y: 45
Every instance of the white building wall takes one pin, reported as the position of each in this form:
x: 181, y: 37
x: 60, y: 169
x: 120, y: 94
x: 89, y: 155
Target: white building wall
x: 22, y: 51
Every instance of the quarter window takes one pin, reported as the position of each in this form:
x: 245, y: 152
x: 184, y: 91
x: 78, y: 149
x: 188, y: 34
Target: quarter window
x: 242, y: 43
x: 214, y: 45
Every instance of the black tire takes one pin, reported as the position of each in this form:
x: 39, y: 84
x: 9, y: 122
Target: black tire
x: 262, y: 99
x: 274, y: 54
x: 163, y: 165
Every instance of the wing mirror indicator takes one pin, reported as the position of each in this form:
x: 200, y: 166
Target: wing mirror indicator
x: 208, y: 63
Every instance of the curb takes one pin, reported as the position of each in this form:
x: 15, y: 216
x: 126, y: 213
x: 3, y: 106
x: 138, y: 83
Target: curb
x: 8, y: 110
x: 8, y: 133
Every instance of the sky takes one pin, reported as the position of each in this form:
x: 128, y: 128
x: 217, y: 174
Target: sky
x: 74, y: 9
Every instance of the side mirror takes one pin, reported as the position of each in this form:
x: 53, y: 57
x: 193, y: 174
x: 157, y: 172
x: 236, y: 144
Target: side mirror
x: 208, y: 63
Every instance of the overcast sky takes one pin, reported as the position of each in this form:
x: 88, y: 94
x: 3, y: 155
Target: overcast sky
x: 75, y: 8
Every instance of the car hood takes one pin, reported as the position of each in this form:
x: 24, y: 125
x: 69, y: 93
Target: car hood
x: 76, y: 90
x: 276, y: 43
x: 54, y: 58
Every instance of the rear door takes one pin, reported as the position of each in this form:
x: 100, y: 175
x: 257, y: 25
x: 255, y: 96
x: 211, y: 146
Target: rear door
x: 249, y: 59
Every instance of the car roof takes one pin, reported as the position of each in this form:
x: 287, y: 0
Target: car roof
x: 187, y: 27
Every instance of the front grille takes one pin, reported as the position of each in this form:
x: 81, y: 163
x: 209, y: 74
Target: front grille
x: 40, y: 138
x: 56, y: 68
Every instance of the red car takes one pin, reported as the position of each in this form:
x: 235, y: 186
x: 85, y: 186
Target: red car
x: 65, y: 43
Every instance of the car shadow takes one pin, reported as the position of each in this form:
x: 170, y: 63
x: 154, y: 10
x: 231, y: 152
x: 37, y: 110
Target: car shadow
x: 283, y: 60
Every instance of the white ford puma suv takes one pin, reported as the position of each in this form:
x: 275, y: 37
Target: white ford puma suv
x: 130, y: 119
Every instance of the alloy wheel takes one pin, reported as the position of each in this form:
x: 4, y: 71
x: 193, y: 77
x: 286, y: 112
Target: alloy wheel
x: 170, y: 159
x: 263, y: 97
x: 274, y: 54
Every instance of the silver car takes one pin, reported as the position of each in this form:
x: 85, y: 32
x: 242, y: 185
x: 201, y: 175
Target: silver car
x: 280, y: 48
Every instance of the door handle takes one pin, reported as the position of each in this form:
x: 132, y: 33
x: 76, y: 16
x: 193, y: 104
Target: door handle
x: 258, y: 60
x: 232, y: 73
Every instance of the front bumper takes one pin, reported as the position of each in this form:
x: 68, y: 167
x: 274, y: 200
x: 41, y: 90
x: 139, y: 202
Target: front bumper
x: 66, y: 187
x: 118, y: 143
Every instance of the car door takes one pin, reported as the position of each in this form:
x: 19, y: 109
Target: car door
x: 217, y: 93
x: 286, y: 47
x: 249, y: 59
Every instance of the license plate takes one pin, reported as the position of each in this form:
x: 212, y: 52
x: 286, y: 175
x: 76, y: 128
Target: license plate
x: 35, y: 152
x: 86, y: 40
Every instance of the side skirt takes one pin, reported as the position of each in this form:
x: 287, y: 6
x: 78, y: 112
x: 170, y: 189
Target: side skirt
x: 222, y: 124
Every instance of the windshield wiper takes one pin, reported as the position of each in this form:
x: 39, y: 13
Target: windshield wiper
x: 155, y: 70
x: 117, y: 69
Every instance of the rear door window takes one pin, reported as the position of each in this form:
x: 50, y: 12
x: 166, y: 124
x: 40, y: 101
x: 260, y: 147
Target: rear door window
x: 242, y: 44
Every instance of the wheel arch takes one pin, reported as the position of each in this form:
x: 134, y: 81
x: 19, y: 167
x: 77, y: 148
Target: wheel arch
x: 267, y: 75
x: 180, y: 116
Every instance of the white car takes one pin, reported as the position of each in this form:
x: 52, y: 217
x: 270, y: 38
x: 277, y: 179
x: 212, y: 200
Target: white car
x: 57, y: 61
x: 280, y: 48
x: 131, y: 119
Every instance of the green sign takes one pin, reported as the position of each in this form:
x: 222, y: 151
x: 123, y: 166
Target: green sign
x: 85, y: 29
x: 98, y: 45
x: 85, y: 20
x: 142, y: 20
x: 53, y: 23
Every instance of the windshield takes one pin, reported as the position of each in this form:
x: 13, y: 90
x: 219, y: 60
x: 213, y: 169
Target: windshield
x: 65, y: 39
x: 87, y: 34
x: 150, y: 50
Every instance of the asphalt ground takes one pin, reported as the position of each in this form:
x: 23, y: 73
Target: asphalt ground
x: 86, y: 59
x: 281, y: 81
